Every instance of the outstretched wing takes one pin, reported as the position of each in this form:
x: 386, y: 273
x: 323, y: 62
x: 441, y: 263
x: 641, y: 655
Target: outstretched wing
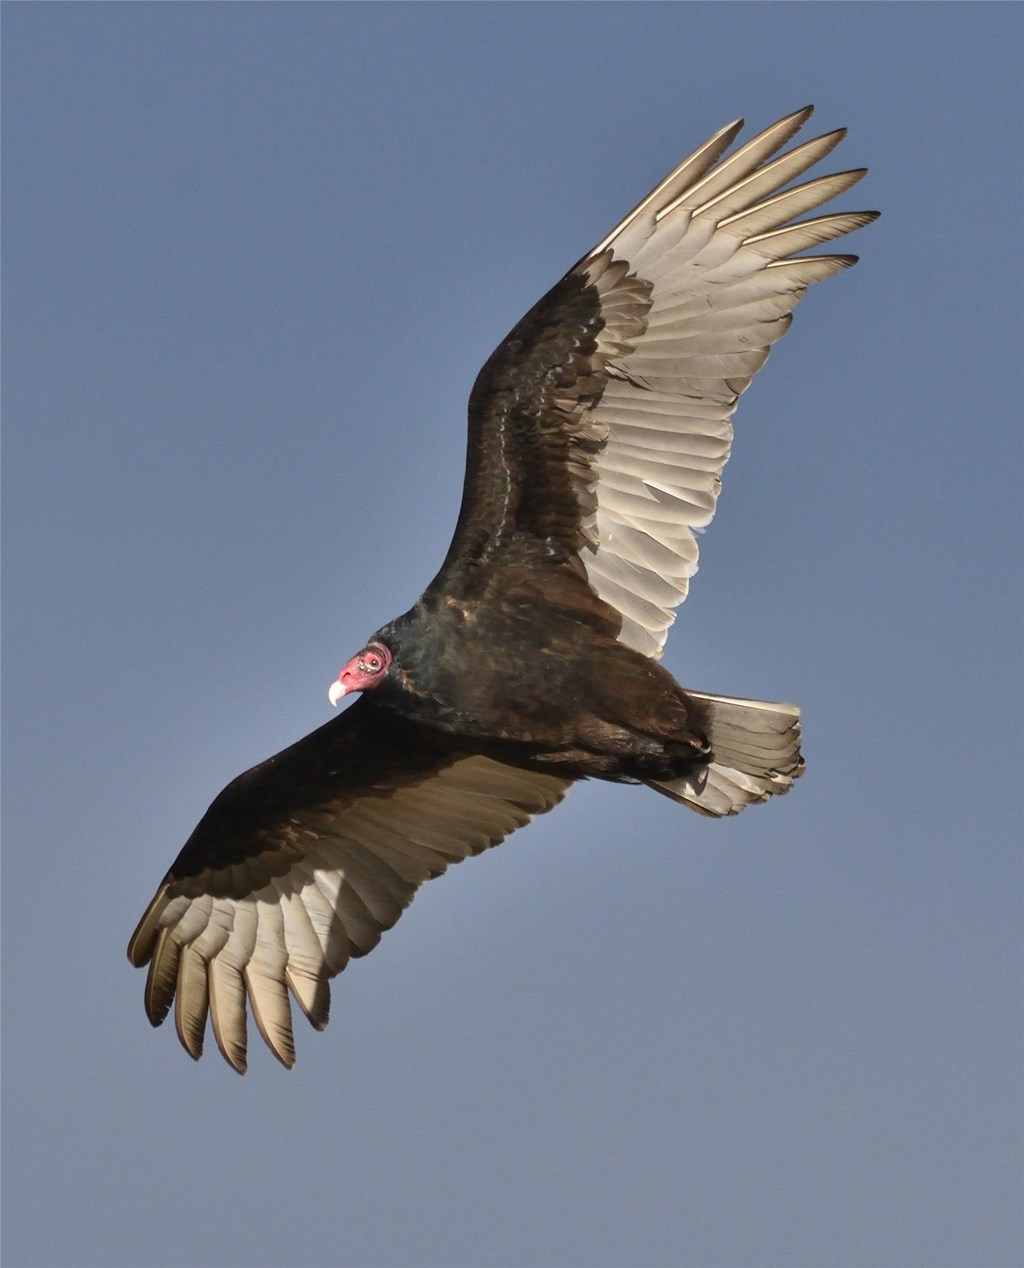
x: 304, y: 861
x: 599, y: 428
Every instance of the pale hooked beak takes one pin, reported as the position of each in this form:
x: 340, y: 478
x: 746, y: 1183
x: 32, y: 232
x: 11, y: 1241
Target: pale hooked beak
x: 337, y: 690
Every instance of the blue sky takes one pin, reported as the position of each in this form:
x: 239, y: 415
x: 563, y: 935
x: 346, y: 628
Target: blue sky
x: 254, y: 257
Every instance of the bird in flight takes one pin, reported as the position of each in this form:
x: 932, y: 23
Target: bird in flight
x: 598, y: 430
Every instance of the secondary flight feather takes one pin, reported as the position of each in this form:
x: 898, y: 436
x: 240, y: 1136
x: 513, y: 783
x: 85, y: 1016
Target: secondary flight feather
x: 598, y: 431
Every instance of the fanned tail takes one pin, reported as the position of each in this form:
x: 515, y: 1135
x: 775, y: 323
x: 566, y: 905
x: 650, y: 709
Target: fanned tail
x: 756, y: 754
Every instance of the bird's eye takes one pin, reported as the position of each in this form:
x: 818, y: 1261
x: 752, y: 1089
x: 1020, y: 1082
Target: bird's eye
x: 374, y: 664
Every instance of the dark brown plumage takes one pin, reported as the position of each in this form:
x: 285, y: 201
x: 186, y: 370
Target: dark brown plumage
x: 598, y: 430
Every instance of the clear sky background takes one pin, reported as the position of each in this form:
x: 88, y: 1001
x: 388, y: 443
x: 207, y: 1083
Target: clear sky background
x: 254, y: 258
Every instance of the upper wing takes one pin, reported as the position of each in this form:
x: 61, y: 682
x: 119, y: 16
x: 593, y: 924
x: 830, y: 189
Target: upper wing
x: 599, y: 428
x: 305, y: 860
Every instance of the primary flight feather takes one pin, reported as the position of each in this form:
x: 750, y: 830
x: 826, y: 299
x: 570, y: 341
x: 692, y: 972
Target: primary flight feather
x: 598, y: 431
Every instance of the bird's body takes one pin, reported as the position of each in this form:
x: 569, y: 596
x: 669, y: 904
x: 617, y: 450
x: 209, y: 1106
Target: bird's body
x: 589, y: 705
x: 598, y: 431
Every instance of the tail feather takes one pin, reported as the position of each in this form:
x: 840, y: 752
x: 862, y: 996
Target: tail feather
x: 755, y: 748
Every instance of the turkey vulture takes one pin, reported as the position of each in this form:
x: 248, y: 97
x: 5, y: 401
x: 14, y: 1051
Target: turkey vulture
x: 598, y: 431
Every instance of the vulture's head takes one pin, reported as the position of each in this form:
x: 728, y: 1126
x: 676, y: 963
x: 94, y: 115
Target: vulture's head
x: 366, y: 670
